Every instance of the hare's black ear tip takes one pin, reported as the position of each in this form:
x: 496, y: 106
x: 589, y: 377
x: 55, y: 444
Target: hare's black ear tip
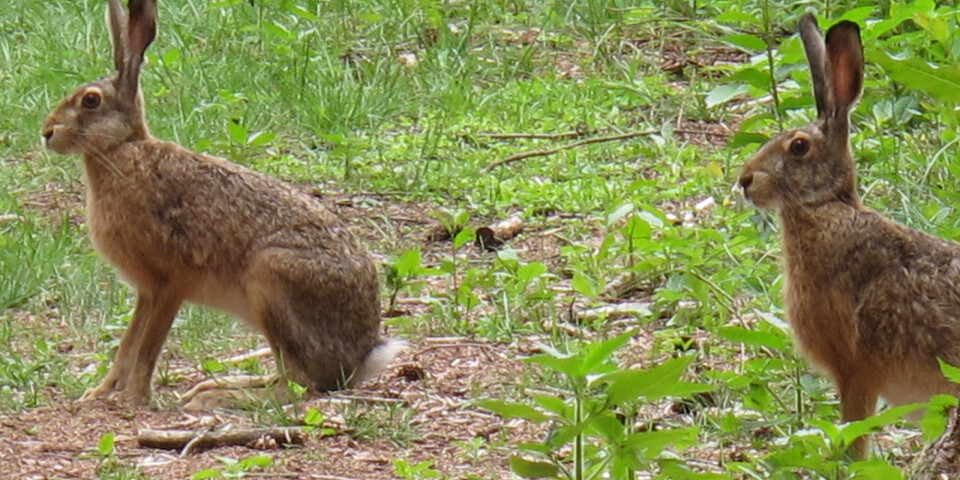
x: 846, y: 30
x: 808, y: 17
x: 847, y: 25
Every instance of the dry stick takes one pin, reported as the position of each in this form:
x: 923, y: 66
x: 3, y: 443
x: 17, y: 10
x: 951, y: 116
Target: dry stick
x: 189, y: 440
x: 612, y: 138
x: 536, y: 136
x: 544, y: 153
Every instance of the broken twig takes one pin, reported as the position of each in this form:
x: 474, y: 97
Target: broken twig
x: 544, y: 153
x: 588, y: 141
x: 493, y: 236
x: 191, y: 440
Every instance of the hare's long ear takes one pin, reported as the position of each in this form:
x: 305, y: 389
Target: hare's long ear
x: 845, y: 56
x: 117, y: 21
x: 816, y: 53
x: 140, y: 32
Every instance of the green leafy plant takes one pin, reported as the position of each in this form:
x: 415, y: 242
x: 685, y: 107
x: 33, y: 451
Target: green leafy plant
x: 595, y: 416
x: 406, y: 471
x: 233, y: 468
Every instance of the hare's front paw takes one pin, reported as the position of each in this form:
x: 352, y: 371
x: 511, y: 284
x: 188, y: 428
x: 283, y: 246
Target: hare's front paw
x: 108, y: 389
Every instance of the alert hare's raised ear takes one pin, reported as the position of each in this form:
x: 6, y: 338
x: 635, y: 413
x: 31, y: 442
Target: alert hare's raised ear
x: 836, y: 67
x: 131, y: 32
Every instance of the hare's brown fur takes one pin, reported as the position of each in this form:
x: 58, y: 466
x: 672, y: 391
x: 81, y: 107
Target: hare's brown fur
x: 180, y: 226
x: 873, y: 303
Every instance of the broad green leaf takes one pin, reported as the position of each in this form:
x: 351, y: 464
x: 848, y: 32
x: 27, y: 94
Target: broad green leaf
x: 212, y: 366
x: 874, y: 470
x: 532, y: 469
x: 942, y: 83
x: 566, y: 364
x: 724, y: 93
x: 278, y: 30
x: 858, y: 15
x: 313, y: 417
x: 637, y: 229
x: 620, y: 212
x: 513, y: 410
x: 205, y: 474
x: 657, y: 382
x: 261, y: 461
x: 652, y: 443
x: 599, y: 352
x: 530, y: 271
x: 301, y: 12
x: 935, y: 25
x: 752, y: 76
x: 551, y: 404
x: 853, y: 430
x: 952, y: 373
x: 261, y: 138
x: 828, y: 428
x: 237, y: 132
x: 464, y: 236
x: 741, y: 139
x: 934, y: 420
x: 755, y: 338
x: 750, y: 43
x: 408, y: 264
x: 584, y: 285
x: 609, y: 427
x: 105, y: 445
x: 170, y: 57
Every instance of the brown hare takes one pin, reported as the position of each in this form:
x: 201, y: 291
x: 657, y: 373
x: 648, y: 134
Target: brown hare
x: 181, y: 226
x: 871, y: 302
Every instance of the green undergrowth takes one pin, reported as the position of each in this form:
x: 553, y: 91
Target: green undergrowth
x: 395, y: 100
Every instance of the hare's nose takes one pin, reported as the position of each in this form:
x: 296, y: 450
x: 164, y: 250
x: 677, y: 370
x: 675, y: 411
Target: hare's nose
x: 47, y: 133
x: 746, y: 180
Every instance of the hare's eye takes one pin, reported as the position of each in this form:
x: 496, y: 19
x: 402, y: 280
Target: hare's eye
x: 90, y: 100
x: 799, y: 146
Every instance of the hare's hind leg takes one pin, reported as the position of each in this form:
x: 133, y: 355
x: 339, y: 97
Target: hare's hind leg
x: 131, y: 375
x: 320, y: 318
x: 320, y: 311
x: 858, y: 400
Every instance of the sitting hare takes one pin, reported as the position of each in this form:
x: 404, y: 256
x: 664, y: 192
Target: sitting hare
x: 181, y: 226
x: 871, y: 302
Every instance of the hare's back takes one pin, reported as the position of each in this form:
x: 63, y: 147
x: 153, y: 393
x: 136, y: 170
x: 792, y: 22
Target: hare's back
x: 910, y: 313
x: 160, y: 201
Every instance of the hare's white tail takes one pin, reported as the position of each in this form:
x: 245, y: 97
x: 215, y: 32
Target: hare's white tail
x: 378, y: 359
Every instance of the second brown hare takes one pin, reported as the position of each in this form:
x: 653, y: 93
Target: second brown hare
x: 871, y: 302
x: 181, y: 226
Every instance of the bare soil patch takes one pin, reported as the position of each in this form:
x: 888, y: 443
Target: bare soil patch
x: 431, y: 420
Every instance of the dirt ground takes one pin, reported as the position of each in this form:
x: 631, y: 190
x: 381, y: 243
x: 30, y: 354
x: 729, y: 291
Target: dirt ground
x: 421, y: 407
x: 59, y: 441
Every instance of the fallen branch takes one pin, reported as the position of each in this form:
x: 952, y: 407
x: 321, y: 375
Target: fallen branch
x: 537, y: 136
x: 190, y: 440
x: 543, y: 153
x: 611, y: 138
x: 493, y: 236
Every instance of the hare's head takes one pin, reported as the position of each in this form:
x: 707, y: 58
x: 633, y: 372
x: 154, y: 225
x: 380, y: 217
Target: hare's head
x: 100, y: 115
x: 813, y: 165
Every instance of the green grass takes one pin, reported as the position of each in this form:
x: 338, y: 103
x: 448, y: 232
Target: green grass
x: 316, y: 93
